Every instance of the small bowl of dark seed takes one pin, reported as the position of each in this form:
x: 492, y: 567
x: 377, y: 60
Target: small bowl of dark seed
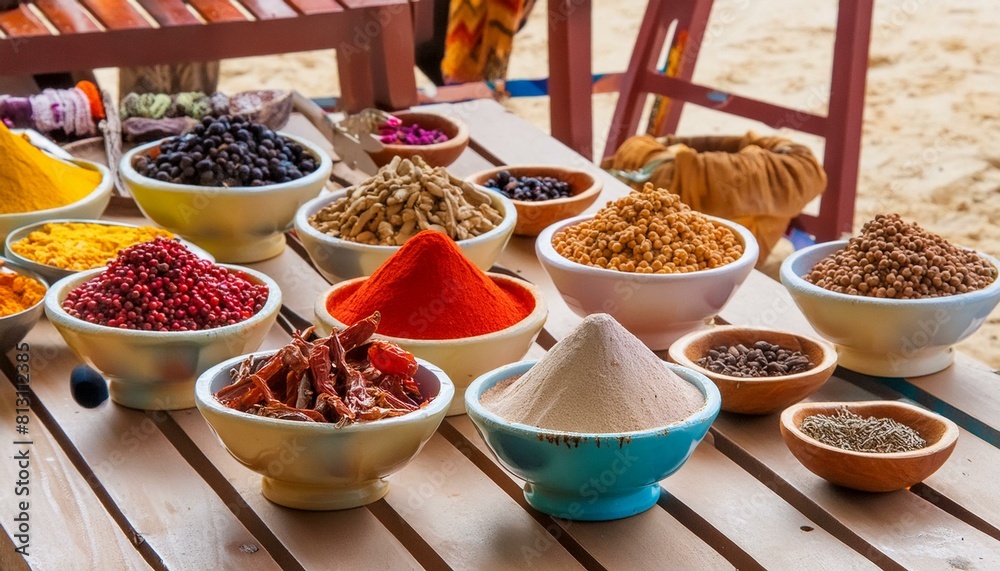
x: 541, y: 194
x: 872, y: 446
x: 757, y: 370
x: 229, y: 185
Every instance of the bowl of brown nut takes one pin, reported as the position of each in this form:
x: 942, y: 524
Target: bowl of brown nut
x: 351, y: 232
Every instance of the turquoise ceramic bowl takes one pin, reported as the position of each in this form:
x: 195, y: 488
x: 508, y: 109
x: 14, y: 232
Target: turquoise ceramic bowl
x: 591, y: 477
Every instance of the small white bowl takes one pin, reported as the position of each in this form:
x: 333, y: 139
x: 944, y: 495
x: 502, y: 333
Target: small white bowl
x: 656, y: 308
x: 54, y: 273
x: 156, y: 370
x: 887, y: 337
x: 466, y: 358
x: 239, y: 224
x: 317, y: 466
x: 339, y: 259
x: 90, y: 206
x: 15, y: 326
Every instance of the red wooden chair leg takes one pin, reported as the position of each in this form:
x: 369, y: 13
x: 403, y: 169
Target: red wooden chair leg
x: 570, y: 92
x: 354, y: 67
x: 394, y: 84
x: 695, y: 21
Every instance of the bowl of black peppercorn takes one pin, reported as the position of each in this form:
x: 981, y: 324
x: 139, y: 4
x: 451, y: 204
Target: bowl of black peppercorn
x: 229, y: 185
x: 757, y: 370
x: 541, y: 194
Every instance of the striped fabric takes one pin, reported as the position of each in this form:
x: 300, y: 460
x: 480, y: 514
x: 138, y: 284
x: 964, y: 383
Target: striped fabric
x: 480, y: 38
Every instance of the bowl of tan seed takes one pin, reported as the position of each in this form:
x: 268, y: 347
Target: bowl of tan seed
x: 659, y: 268
x: 895, y: 298
x: 873, y: 446
x: 351, y: 232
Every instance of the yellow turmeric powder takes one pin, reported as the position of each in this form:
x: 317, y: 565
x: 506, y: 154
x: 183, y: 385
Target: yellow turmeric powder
x: 31, y: 180
x: 18, y: 293
x: 81, y: 245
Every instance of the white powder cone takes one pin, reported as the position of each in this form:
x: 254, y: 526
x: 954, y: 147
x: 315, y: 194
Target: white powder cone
x: 599, y: 379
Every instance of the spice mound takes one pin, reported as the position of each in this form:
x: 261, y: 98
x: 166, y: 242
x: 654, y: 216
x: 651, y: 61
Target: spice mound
x: 31, y: 180
x: 898, y: 260
x: 850, y: 431
x: 163, y: 286
x: 393, y: 132
x: 405, y: 197
x: 429, y: 290
x: 650, y: 231
x: 80, y: 246
x: 227, y: 151
x: 341, y: 379
x: 530, y: 188
x: 18, y: 293
x: 599, y: 379
x: 762, y: 360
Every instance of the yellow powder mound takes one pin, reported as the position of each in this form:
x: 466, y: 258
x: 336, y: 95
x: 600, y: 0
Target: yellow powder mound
x: 31, y: 180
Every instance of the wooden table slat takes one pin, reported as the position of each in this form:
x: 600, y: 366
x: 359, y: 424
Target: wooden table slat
x: 68, y: 16
x: 315, y: 6
x: 66, y: 520
x: 169, y: 12
x: 268, y: 9
x: 21, y: 22
x: 216, y: 11
x: 116, y: 14
x: 163, y: 498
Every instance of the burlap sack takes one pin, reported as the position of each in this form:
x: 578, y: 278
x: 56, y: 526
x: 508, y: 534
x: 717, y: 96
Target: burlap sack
x: 759, y: 182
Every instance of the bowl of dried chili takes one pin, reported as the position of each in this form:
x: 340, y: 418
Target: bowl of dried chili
x: 340, y: 415
x: 437, y: 304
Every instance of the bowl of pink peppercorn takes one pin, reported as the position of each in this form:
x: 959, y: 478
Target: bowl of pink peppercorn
x: 158, y: 316
x: 438, y: 139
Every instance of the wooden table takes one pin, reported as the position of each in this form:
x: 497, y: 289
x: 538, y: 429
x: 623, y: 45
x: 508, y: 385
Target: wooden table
x: 373, y: 38
x: 115, y: 488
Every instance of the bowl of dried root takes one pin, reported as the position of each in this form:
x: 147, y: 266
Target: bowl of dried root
x: 351, y: 232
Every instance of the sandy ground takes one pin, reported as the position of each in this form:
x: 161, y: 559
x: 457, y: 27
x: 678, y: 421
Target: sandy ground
x: 931, y: 115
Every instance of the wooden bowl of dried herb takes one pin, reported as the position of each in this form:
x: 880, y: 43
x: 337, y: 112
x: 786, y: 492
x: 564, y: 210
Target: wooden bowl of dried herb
x: 872, y: 446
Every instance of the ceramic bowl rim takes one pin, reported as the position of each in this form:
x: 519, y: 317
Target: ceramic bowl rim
x: 537, y: 316
x: 829, y: 361
x: 949, y: 437
x: 59, y: 291
x: 547, y: 255
x: 461, y: 136
x: 302, y: 224
x: 19, y: 268
x: 593, y: 189
x: 322, y: 172
x: 23, y: 232
x: 794, y: 282
x: 204, y: 398
x: 98, y: 193
x: 711, y: 407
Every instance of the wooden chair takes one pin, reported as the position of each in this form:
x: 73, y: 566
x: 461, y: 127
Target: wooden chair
x: 373, y: 38
x: 841, y: 127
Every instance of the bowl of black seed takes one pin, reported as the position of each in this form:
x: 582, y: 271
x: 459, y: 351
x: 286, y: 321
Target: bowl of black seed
x: 542, y: 194
x: 872, y: 446
x: 229, y: 185
x: 757, y: 370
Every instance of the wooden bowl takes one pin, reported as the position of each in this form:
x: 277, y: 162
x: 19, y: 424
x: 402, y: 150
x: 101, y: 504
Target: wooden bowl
x: 757, y: 395
x: 870, y: 471
x: 436, y: 155
x: 533, y: 217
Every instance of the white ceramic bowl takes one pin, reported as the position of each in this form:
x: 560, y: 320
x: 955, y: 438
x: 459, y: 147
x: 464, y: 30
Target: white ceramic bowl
x: 54, y: 273
x: 90, y: 206
x: 656, y: 308
x: 15, y: 326
x: 238, y: 224
x: 339, y: 259
x: 887, y: 337
x: 156, y: 370
x: 466, y: 358
x: 317, y: 466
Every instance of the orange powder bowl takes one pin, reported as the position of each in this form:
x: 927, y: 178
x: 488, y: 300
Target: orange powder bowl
x: 463, y: 358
